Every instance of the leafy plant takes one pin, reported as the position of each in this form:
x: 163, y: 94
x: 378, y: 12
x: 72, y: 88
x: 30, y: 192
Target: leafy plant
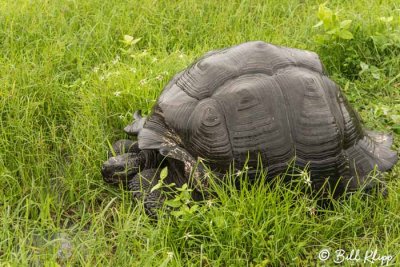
x: 369, y: 70
x: 182, y: 203
x: 334, y: 29
x: 130, y: 40
x: 336, y: 44
x: 356, y: 49
x: 130, y: 47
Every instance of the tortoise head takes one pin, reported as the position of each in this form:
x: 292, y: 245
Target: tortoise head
x: 120, y: 168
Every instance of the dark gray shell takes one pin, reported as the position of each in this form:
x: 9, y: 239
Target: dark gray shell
x: 259, y: 100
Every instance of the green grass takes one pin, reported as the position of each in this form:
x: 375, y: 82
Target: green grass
x: 68, y: 84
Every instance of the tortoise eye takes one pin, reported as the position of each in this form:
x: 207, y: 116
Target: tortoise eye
x: 211, y: 117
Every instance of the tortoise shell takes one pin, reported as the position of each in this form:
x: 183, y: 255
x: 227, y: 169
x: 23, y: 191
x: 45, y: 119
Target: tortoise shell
x: 257, y: 102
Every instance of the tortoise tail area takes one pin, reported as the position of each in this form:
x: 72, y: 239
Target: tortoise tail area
x: 365, y: 150
x: 370, y: 152
x: 373, y: 149
x: 386, y: 157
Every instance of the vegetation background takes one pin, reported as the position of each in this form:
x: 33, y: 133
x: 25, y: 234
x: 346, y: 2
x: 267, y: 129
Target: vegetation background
x: 71, y: 73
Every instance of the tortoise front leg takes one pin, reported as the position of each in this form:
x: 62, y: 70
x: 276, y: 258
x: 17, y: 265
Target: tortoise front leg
x: 141, y: 186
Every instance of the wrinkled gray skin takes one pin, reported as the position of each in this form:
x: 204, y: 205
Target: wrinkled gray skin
x: 245, y: 104
x: 139, y: 170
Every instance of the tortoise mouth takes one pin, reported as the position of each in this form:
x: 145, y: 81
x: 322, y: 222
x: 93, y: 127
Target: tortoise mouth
x: 119, y: 168
x: 112, y: 176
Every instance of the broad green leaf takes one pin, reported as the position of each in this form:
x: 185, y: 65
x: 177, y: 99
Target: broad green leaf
x: 130, y: 40
x: 345, y: 34
x: 157, y: 186
x: 345, y: 24
x: 136, y: 41
x: 174, y: 203
x: 364, y: 66
x: 164, y: 173
x: 185, y: 208
x: 219, y: 221
x: 376, y: 75
x: 194, y: 208
x: 186, y: 194
x: 395, y: 118
x: 324, y: 13
x: 183, y: 188
x: 333, y: 31
x: 386, y: 19
x: 320, y: 23
x: 177, y: 213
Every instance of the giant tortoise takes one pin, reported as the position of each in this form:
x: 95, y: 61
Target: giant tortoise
x: 242, y: 105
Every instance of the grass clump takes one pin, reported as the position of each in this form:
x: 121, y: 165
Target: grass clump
x: 71, y: 73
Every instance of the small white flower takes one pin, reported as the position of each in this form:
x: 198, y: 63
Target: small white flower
x: 312, y: 210
x: 159, y: 77
x: 121, y: 117
x: 96, y: 69
x: 154, y: 59
x: 238, y: 173
x: 187, y: 236
x: 105, y: 76
x: 133, y: 70
x: 306, y: 177
x: 143, y: 81
x: 117, y: 93
x: 209, y: 203
x: 170, y: 254
x: 116, y: 60
x: 181, y: 55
